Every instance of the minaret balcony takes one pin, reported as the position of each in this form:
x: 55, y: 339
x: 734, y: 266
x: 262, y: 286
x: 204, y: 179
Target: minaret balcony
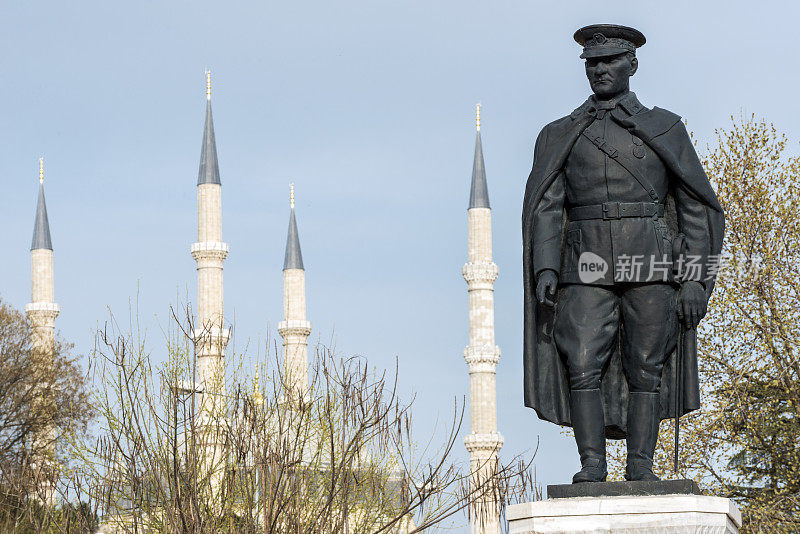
x: 294, y: 327
x: 42, y: 309
x: 482, y: 359
x: 480, y: 275
x: 483, y: 445
x: 210, y: 341
x: 210, y: 250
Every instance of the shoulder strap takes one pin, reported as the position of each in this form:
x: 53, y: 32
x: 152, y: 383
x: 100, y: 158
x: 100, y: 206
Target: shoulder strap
x: 624, y: 161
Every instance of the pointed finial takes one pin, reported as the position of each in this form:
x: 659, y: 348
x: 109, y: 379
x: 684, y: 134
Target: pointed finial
x: 208, y: 84
x: 41, y: 170
x: 478, y: 116
x: 291, y: 195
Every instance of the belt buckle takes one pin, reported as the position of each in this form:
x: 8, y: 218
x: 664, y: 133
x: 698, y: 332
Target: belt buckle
x: 608, y: 213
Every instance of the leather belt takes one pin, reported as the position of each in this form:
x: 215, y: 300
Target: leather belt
x: 615, y: 210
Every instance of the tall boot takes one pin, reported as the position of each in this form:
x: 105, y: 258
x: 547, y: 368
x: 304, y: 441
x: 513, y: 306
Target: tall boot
x: 643, y: 421
x: 589, y: 426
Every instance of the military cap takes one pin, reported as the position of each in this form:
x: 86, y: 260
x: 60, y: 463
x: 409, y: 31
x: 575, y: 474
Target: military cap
x: 600, y: 40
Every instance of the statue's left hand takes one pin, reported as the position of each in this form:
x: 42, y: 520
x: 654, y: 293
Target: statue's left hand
x: 692, y: 304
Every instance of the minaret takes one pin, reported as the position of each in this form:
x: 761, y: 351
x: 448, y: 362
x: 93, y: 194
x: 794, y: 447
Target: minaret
x: 42, y: 310
x: 483, y: 442
x: 211, y: 336
x: 294, y: 328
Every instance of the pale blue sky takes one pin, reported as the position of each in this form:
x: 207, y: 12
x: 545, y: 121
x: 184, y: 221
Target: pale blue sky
x: 368, y: 107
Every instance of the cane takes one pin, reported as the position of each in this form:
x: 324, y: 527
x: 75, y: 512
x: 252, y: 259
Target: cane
x: 687, y: 344
x: 677, y: 392
x: 678, y: 249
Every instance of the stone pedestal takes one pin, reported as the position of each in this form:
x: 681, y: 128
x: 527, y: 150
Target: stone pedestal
x: 602, y: 508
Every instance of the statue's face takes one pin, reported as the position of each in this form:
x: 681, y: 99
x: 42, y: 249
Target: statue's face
x: 610, y: 76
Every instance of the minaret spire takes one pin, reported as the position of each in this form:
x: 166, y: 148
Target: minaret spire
x: 294, y: 328
x: 293, y: 258
x: 41, y: 226
x: 479, y: 192
x: 482, y: 355
x: 209, y: 166
x: 42, y: 312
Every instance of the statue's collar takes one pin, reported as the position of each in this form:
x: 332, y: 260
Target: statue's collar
x: 627, y: 101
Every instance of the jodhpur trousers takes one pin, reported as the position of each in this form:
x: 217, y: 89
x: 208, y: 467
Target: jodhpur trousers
x: 591, y: 321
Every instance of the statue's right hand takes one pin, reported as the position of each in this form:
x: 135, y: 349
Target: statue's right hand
x: 546, y: 287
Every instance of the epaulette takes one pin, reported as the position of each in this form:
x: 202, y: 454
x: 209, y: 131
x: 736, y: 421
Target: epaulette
x: 580, y: 110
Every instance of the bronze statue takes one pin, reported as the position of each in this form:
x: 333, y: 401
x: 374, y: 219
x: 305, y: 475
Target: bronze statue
x: 622, y: 234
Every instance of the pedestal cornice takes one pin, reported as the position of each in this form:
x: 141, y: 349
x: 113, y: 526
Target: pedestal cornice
x: 656, y: 514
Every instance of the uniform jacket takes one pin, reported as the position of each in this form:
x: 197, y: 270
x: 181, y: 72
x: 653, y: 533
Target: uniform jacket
x: 546, y: 386
x: 637, y: 249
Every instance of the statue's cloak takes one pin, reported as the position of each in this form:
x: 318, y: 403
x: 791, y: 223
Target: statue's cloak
x: 546, y: 382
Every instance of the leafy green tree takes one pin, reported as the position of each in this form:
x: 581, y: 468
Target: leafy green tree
x: 44, y: 407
